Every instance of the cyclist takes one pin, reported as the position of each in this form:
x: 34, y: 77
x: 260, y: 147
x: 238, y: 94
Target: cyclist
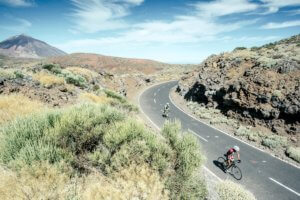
x: 230, y: 156
x: 166, y: 109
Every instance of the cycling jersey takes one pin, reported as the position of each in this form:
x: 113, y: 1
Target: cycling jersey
x: 230, y: 153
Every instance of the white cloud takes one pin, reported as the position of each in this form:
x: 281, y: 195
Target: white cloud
x: 224, y: 7
x: 95, y: 15
x: 273, y: 25
x: 273, y: 6
x: 18, y: 3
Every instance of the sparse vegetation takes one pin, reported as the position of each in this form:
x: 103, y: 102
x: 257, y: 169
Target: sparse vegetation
x: 294, y: 153
x: 229, y: 190
x: 86, y: 73
x: 11, y: 74
x: 68, y: 76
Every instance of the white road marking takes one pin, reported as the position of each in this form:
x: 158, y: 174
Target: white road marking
x: 205, y: 168
x: 216, y: 136
x: 293, y: 191
x: 145, y: 113
x: 154, y: 100
x: 197, y: 135
x: 230, y: 135
x: 212, y: 173
x: 208, y: 136
x: 264, y: 161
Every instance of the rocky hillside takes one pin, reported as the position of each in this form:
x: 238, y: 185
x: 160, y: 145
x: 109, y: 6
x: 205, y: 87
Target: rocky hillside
x: 22, y: 46
x: 259, y: 86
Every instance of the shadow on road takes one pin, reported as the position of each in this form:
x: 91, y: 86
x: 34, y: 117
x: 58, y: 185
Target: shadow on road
x: 219, y: 165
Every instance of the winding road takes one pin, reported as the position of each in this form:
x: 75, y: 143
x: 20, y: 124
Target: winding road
x: 267, y: 177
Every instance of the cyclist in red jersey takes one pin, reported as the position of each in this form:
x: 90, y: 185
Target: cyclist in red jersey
x: 230, y: 155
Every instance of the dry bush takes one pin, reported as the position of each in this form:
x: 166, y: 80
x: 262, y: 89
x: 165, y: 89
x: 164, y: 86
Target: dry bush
x: 294, y: 153
x: 229, y: 190
x: 7, y: 74
x: 101, y: 99
x: 242, y: 54
x: 38, y: 182
x: 86, y: 73
x: 16, y: 105
x: 138, y: 182
x: 49, y: 80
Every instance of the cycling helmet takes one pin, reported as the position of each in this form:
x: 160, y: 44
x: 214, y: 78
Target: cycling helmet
x: 236, y: 148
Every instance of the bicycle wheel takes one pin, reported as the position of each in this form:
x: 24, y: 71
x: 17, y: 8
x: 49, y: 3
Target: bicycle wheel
x: 236, y: 172
x: 222, y: 162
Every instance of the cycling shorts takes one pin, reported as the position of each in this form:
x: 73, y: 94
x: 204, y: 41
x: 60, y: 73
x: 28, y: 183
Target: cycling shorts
x: 230, y: 157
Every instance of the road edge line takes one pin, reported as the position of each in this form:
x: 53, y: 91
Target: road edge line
x: 231, y: 135
x: 286, y: 187
x: 193, y: 132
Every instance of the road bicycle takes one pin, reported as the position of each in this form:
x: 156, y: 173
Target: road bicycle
x: 233, y: 169
x: 165, y: 113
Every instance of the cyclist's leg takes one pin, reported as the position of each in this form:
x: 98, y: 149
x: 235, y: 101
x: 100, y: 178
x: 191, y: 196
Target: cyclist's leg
x: 229, y: 161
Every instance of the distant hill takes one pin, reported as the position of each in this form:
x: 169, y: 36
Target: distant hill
x: 22, y: 46
x: 108, y: 63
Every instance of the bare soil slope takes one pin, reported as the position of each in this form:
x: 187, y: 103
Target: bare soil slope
x: 110, y: 64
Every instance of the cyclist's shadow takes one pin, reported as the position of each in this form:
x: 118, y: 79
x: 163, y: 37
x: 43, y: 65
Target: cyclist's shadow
x: 219, y: 164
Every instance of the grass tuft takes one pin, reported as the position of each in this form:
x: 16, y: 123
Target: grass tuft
x: 134, y: 182
x: 49, y: 80
x: 17, y: 105
x: 229, y: 190
x: 294, y: 153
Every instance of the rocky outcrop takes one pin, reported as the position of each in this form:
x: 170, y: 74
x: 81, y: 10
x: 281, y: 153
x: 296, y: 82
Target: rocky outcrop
x: 258, y: 85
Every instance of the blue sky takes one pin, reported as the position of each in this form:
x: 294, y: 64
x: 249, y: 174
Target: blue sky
x: 174, y: 31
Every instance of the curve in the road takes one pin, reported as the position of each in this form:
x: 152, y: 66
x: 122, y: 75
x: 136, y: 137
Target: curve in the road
x: 266, y: 176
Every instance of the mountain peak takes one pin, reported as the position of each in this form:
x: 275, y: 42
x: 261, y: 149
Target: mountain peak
x: 28, y: 47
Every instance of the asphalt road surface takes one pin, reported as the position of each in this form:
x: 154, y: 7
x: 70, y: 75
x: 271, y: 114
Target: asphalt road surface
x: 267, y: 177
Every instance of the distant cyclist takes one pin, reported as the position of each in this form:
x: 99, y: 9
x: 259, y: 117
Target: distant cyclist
x: 230, y: 155
x: 166, y: 110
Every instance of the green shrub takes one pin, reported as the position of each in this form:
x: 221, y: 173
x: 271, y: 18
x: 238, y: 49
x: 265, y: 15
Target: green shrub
x: 239, y: 48
x: 19, y: 74
x: 73, y: 79
x: 254, y: 48
x: 188, y: 160
x: 91, y: 136
x: 274, y: 141
x: 114, y: 95
x: 294, y: 153
x: 56, y: 69
x: 80, y: 129
x: 228, y: 190
x: 120, y: 101
x: 131, y: 142
x: 7, y: 74
x: 55, y: 135
x: 26, y: 140
x: 243, y: 131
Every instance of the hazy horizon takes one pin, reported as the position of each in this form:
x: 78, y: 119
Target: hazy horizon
x: 172, y: 31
